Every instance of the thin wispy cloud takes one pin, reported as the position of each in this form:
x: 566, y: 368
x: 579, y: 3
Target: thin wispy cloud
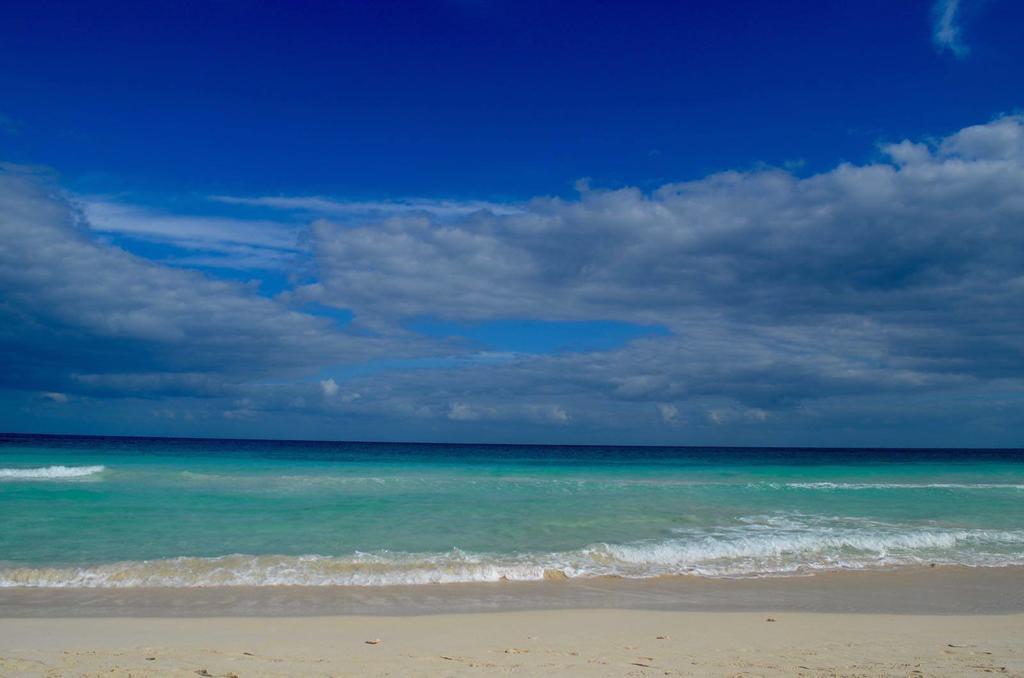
x: 346, y: 208
x: 947, y: 32
x: 206, y: 240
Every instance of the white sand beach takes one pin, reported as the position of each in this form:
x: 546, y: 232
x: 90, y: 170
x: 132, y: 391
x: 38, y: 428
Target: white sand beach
x: 556, y: 642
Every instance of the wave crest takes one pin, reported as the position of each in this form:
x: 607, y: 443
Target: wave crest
x: 773, y: 548
x: 50, y: 472
x: 898, y: 486
x: 306, y: 570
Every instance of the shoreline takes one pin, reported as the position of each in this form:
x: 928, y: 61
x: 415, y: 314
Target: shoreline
x: 943, y: 590
x: 945, y: 621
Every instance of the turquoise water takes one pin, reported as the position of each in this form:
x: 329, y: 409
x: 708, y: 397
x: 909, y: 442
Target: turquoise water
x: 109, y: 512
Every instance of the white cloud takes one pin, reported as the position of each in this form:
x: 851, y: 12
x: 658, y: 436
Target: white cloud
x: 82, y: 315
x: 555, y: 414
x: 219, y: 241
x: 507, y: 410
x: 890, y: 277
x: 55, y: 397
x: 946, y: 30
x: 669, y: 413
x: 463, y: 412
x: 1000, y: 141
x: 332, y: 207
x: 787, y: 299
x: 929, y: 231
x: 731, y: 415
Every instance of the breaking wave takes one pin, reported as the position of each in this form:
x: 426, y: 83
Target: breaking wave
x: 50, y: 472
x: 773, y: 547
x: 900, y: 486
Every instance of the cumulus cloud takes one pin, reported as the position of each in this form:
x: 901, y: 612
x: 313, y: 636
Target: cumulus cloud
x: 865, y: 295
x: 329, y: 387
x: 937, y: 221
x: 900, y: 276
x: 80, y: 315
x: 719, y: 415
x: 914, y: 259
x: 464, y: 412
x: 669, y: 413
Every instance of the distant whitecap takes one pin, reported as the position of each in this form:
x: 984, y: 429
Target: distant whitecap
x: 50, y: 472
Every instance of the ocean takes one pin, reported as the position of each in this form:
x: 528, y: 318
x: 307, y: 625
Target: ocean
x: 97, y: 512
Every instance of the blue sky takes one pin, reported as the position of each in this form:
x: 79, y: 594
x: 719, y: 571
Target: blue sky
x: 692, y: 223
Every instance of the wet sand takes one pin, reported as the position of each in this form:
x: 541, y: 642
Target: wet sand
x: 940, y: 590
x: 942, y: 621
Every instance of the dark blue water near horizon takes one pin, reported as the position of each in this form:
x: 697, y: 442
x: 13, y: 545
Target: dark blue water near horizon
x: 341, y: 450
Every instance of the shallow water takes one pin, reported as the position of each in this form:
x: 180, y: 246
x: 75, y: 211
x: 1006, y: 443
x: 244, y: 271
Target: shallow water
x: 116, y: 512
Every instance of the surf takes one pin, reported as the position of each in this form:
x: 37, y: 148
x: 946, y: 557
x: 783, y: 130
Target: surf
x: 50, y: 472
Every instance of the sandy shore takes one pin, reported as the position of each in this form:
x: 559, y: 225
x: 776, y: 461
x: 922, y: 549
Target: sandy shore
x: 921, y: 591
x: 932, y: 621
x: 551, y: 642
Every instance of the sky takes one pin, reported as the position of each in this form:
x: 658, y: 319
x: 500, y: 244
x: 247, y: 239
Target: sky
x: 720, y: 223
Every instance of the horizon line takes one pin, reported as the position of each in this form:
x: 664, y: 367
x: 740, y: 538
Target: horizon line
x: 4, y: 434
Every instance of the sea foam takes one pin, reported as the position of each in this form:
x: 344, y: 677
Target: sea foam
x: 898, y: 486
x: 50, y: 472
x: 757, y: 550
